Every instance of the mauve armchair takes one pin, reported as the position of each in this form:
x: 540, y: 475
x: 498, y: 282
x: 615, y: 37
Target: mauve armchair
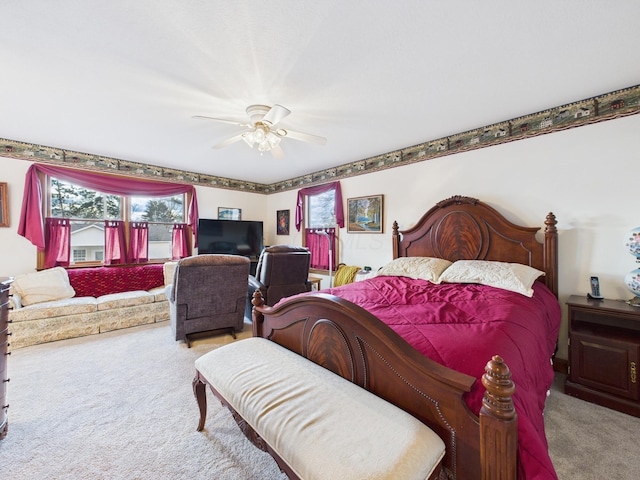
x: 208, y: 295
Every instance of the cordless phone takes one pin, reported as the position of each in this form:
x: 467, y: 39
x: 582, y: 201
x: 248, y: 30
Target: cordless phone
x: 595, y: 289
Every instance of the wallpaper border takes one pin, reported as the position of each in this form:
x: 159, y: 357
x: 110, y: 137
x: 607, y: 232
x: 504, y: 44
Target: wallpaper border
x: 608, y: 106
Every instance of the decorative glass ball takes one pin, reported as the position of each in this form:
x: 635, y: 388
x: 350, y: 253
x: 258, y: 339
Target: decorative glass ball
x: 632, y: 242
x: 632, y: 281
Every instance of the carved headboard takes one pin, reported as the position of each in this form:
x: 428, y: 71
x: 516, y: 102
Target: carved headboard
x: 464, y: 228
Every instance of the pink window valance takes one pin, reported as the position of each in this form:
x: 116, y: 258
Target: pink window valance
x: 31, y: 225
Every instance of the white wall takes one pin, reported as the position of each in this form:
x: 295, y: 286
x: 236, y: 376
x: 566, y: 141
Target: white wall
x: 17, y: 255
x: 586, y: 176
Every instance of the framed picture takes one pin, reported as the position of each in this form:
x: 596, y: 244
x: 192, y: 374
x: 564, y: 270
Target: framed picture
x: 4, y: 205
x: 282, y: 225
x: 365, y: 214
x: 226, y: 213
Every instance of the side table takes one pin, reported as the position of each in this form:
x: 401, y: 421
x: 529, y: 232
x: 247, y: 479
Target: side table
x: 604, y: 353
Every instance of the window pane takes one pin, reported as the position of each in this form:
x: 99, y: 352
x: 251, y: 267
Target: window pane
x: 321, y: 210
x: 72, y: 201
x: 160, y: 240
x: 161, y: 214
x: 87, y: 241
x: 165, y: 209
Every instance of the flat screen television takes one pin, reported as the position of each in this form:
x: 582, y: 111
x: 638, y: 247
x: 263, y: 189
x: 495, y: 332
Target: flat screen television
x: 235, y: 237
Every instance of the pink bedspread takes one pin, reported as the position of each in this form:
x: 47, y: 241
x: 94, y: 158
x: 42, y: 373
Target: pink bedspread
x: 462, y: 326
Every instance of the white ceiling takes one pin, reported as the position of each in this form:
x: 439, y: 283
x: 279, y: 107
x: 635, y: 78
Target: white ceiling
x: 123, y: 78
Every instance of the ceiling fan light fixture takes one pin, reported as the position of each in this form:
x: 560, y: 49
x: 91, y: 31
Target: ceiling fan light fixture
x: 262, y: 130
x: 263, y: 137
x: 249, y: 138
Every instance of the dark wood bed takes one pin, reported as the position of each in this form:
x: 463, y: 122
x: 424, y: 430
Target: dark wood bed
x: 353, y: 343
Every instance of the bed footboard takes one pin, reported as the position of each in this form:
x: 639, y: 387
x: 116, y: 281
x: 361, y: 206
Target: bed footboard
x: 354, y: 344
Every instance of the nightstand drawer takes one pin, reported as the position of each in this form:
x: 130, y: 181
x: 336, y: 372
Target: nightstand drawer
x: 606, y: 364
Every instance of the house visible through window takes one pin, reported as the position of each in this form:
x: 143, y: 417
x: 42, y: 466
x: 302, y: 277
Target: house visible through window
x: 87, y: 210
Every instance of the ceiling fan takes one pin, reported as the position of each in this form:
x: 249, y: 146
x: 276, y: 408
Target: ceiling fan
x: 262, y: 131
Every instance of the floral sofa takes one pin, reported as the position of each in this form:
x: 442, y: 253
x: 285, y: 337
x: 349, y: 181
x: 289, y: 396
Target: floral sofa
x: 56, y: 303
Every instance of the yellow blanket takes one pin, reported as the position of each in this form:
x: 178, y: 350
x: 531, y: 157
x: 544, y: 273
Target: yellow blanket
x: 345, y: 274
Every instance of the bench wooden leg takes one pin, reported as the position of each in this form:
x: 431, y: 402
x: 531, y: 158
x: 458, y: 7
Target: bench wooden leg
x: 200, y: 392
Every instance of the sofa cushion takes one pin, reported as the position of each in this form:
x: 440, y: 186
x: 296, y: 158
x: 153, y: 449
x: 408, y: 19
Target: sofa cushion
x: 44, y: 286
x: 322, y: 425
x: 159, y: 294
x: 56, y: 308
x: 124, y: 299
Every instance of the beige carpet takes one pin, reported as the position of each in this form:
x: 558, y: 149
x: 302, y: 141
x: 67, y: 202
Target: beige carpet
x: 590, y: 442
x: 120, y: 406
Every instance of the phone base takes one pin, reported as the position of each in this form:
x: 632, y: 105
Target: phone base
x: 592, y: 297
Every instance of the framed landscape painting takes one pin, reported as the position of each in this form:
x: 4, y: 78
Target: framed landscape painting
x: 226, y: 213
x: 365, y: 214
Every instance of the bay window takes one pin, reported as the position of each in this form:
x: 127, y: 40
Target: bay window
x: 97, y: 218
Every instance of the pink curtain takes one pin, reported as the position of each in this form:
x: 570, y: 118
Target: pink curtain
x: 58, y: 242
x: 180, y: 246
x: 31, y: 224
x: 318, y: 244
x: 302, y: 193
x: 138, y: 242
x: 114, y: 246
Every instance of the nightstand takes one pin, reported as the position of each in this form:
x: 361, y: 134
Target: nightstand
x: 604, y: 352
x: 315, y: 283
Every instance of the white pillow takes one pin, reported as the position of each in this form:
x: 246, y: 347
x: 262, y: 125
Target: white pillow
x: 44, y: 286
x: 423, y: 268
x: 508, y: 276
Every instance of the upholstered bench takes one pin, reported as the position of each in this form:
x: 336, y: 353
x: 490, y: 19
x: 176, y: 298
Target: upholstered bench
x: 316, y: 424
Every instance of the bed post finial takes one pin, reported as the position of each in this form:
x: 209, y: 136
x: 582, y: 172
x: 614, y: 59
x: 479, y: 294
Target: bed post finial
x: 256, y: 316
x: 551, y: 253
x: 498, y: 423
x: 395, y: 240
x: 500, y: 387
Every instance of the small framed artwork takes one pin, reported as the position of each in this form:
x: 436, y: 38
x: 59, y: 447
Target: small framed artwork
x: 4, y: 205
x: 226, y: 213
x: 282, y: 217
x: 365, y: 214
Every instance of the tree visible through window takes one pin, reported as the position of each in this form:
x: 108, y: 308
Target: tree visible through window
x: 321, y: 210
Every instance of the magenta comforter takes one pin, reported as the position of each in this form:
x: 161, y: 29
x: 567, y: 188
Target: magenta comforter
x: 462, y: 326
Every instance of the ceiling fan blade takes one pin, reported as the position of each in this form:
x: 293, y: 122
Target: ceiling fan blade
x: 230, y: 140
x: 223, y: 120
x: 277, y: 152
x: 304, y: 137
x: 275, y: 115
